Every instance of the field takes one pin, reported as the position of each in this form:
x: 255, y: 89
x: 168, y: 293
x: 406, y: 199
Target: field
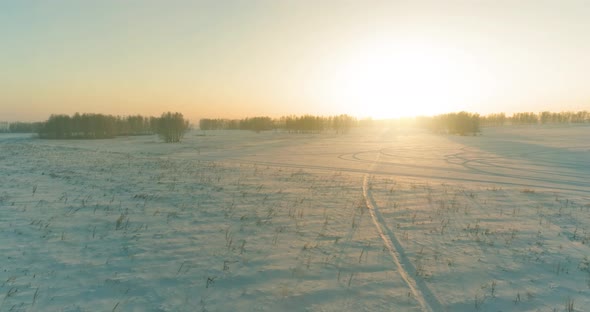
x: 380, y: 220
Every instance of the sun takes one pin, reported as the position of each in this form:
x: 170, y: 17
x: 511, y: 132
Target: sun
x: 402, y: 79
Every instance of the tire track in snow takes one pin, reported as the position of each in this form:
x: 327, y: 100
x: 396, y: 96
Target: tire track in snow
x: 475, y: 176
x: 418, y: 287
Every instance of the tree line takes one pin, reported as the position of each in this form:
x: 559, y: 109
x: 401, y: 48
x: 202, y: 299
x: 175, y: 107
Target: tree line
x: 292, y: 124
x: 169, y: 126
x: 94, y: 126
x: 530, y: 118
x: 21, y: 127
x: 172, y: 126
x: 462, y: 123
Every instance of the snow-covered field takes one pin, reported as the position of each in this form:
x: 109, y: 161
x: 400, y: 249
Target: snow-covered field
x: 384, y: 220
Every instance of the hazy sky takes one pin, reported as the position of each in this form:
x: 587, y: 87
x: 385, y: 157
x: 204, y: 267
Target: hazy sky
x: 245, y: 58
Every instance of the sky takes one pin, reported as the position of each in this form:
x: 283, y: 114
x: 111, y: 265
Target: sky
x: 235, y: 59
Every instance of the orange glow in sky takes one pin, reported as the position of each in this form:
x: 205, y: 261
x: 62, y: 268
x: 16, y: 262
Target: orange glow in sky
x: 234, y: 59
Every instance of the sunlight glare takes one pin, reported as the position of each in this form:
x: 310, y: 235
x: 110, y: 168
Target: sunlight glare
x: 388, y: 80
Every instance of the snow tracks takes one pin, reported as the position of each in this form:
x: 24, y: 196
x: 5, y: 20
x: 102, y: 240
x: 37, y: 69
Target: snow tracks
x: 418, y: 287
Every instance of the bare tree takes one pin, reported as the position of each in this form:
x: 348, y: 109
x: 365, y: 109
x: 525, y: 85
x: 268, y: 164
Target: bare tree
x: 171, y: 127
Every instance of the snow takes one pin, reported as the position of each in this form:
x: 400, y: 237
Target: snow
x: 383, y: 220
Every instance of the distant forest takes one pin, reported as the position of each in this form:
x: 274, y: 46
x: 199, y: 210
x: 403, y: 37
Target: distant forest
x: 461, y: 123
x: 95, y: 126
x: 292, y: 124
x: 169, y: 126
x: 172, y: 126
x: 536, y: 118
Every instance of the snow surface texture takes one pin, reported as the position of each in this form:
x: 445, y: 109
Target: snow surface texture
x: 392, y: 220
